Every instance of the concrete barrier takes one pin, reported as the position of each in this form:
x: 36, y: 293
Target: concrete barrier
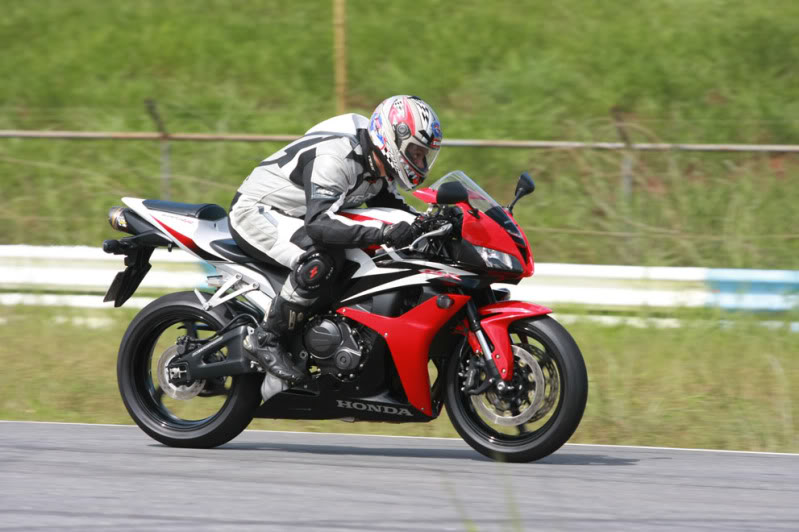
x: 87, y: 270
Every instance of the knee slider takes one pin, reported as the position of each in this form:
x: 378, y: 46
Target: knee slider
x: 313, y: 270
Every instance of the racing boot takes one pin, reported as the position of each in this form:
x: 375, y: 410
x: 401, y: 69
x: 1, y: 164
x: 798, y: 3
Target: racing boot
x: 265, y: 345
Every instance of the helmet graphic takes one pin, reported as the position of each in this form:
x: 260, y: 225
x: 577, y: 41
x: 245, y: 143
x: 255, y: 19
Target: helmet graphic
x: 406, y: 133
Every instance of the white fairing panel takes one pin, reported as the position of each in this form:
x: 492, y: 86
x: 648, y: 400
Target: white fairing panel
x: 187, y: 232
x: 366, y: 266
x: 208, y: 231
x: 195, y: 236
x: 435, y: 272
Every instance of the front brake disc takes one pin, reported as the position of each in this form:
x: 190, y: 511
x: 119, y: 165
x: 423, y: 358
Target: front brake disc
x: 522, y: 357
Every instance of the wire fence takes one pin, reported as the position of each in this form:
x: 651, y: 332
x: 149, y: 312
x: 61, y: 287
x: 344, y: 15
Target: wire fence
x: 622, y: 192
x: 458, y: 143
x: 165, y: 137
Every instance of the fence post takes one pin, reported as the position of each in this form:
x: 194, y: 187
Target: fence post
x: 340, y: 53
x: 627, y: 161
x: 152, y: 109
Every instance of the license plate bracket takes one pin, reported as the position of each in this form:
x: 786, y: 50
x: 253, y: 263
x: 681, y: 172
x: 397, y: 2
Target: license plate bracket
x: 124, y: 285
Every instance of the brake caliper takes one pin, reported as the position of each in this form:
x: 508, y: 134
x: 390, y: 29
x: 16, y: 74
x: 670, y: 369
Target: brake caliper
x: 179, y: 370
x: 472, y: 384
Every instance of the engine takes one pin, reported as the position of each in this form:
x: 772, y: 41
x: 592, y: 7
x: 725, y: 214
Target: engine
x: 336, y: 346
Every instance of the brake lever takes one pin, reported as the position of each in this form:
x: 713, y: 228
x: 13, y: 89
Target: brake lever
x: 441, y: 231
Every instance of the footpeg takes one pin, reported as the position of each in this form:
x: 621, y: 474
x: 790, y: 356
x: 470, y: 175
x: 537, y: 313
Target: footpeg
x: 247, y: 343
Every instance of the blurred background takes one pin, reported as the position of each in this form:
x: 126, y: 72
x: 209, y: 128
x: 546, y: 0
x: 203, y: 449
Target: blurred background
x: 662, y: 71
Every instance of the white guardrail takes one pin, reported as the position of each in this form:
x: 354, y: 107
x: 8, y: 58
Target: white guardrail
x: 43, y: 275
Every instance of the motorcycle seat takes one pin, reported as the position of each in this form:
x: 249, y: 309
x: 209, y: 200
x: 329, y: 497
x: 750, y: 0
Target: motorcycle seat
x: 232, y: 252
x: 201, y: 211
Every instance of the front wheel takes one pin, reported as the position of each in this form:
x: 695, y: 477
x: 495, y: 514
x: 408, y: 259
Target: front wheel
x: 543, y: 406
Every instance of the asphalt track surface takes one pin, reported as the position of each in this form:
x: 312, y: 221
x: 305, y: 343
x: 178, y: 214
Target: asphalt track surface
x: 100, y: 477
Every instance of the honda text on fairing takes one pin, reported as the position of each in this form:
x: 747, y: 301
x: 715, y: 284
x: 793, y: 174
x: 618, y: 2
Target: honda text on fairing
x: 513, y: 380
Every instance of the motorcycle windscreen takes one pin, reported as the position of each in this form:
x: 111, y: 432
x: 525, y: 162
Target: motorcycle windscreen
x: 126, y: 282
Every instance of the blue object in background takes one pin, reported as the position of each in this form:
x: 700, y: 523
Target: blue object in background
x: 738, y: 289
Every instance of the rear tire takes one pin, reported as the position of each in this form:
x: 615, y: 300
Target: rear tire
x: 555, y: 418
x: 141, y: 389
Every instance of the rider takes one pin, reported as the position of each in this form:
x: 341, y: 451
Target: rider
x: 286, y: 210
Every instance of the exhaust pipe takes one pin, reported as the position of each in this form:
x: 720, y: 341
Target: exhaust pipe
x: 117, y: 219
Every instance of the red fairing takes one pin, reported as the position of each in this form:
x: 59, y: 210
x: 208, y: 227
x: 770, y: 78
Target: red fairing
x: 361, y: 217
x: 485, y: 232
x: 529, y: 268
x: 427, y: 195
x: 183, y: 239
x: 409, y: 337
x: 495, y: 319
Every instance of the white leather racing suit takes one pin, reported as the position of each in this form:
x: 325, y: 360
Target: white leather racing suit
x: 291, y: 200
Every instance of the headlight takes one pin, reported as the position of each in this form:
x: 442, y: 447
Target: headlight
x: 498, y: 260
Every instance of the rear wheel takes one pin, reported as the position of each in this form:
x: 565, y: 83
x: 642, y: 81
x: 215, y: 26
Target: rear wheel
x: 542, y: 409
x: 201, y: 413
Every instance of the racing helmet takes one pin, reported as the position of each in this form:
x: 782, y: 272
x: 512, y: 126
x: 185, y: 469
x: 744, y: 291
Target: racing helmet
x: 406, y: 134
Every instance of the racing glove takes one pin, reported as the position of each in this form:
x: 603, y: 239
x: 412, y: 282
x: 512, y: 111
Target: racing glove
x: 399, y: 235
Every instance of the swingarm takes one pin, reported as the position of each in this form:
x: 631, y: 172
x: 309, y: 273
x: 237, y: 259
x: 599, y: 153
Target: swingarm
x: 200, y: 359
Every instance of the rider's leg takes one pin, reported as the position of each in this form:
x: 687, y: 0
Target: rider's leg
x: 289, y: 309
x: 274, y: 237
x: 270, y: 236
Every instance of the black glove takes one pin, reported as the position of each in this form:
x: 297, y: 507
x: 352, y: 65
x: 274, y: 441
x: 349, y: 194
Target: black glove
x: 399, y: 235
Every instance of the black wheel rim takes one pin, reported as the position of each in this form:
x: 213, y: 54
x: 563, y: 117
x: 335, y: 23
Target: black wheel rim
x: 161, y: 332
x: 549, y: 360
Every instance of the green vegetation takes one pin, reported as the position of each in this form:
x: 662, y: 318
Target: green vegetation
x: 699, y: 386
x: 683, y: 71
x: 721, y: 71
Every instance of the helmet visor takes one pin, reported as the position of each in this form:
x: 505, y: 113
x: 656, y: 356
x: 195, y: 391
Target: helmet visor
x: 420, y: 159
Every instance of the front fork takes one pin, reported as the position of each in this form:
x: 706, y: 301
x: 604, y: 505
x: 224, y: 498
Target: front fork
x: 494, y: 364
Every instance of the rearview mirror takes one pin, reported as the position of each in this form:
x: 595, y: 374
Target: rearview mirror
x: 525, y: 186
x: 451, y: 192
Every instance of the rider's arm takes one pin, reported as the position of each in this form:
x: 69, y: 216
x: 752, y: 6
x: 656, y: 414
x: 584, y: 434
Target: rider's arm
x: 326, y: 184
x: 389, y: 197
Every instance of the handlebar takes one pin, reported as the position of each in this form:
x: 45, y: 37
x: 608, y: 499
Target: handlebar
x: 441, y: 231
x: 437, y: 225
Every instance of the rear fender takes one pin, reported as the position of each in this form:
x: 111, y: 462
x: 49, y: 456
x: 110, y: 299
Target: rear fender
x: 495, y: 320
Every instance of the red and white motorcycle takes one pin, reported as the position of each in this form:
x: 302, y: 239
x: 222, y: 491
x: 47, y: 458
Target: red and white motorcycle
x: 513, y: 380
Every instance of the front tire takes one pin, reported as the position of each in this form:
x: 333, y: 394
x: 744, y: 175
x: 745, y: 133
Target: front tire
x: 201, y: 414
x: 552, y: 390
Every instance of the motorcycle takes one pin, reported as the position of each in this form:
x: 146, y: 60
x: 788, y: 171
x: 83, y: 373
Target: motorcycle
x: 410, y: 331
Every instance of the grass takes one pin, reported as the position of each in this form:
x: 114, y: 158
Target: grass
x: 683, y: 71
x: 702, y: 385
x: 732, y: 211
